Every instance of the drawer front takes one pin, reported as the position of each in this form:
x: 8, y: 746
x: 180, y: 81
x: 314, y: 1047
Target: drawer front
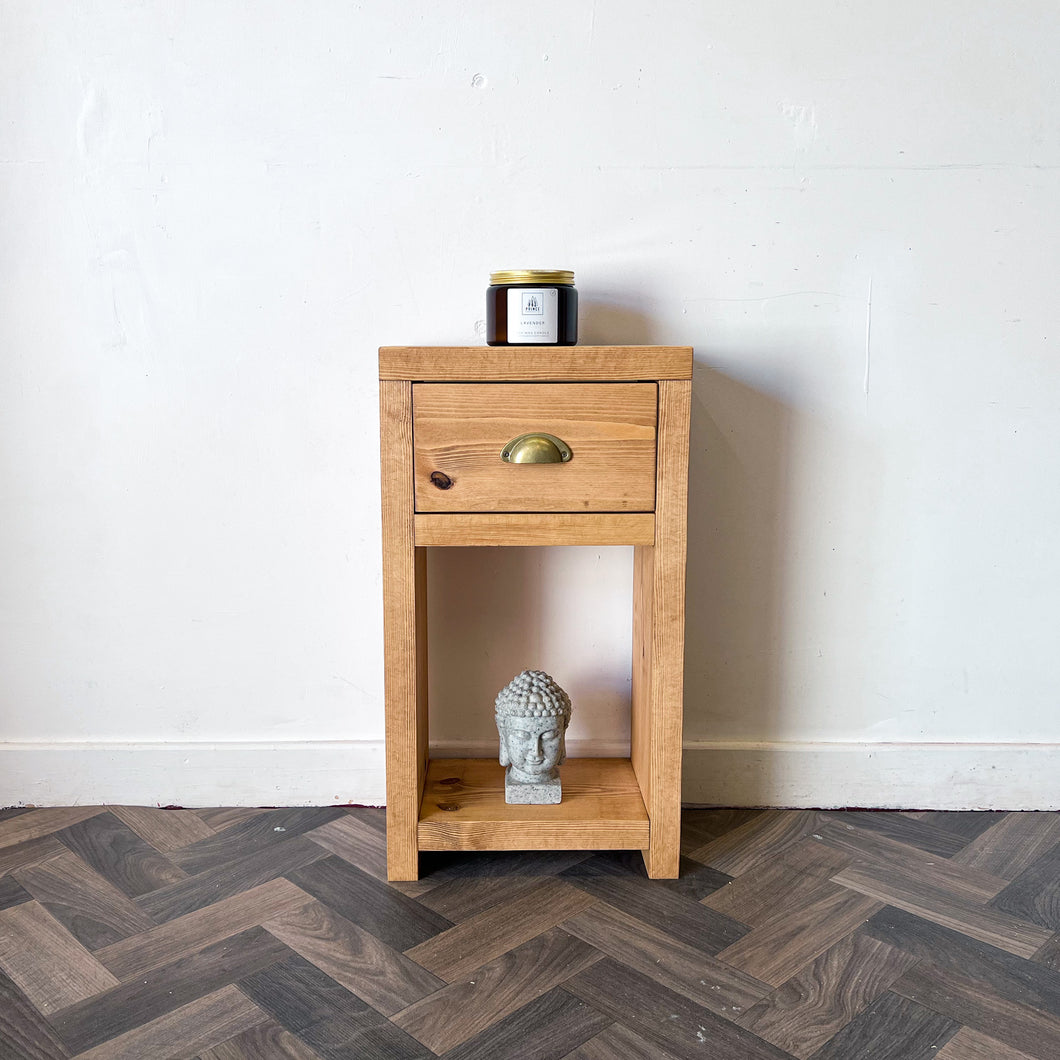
x: 460, y: 429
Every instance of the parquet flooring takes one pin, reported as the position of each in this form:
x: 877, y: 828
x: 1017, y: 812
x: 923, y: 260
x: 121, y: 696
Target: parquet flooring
x: 221, y: 934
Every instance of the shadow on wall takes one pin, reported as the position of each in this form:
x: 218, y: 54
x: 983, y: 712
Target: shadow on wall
x: 738, y: 513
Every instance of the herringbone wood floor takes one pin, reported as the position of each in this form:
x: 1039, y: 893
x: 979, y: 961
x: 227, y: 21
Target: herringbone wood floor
x: 245, y: 934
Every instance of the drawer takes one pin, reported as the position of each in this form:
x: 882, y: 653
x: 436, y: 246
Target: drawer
x: 460, y: 430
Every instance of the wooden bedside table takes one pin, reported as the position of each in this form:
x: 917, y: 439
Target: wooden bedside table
x: 614, y: 420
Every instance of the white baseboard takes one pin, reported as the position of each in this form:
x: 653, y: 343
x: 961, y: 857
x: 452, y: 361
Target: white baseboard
x: 940, y: 776
x: 937, y: 776
x: 193, y: 774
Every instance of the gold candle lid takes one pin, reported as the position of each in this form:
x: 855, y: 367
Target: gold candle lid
x: 542, y: 276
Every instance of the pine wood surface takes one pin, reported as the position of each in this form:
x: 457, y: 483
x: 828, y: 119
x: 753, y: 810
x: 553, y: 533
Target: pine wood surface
x: 555, y: 363
x: 276, y: 937
x: 464, y: 809
x: 520, y: 528
x: 460, y: 429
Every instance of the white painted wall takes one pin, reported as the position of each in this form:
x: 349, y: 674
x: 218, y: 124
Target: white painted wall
x: 214, y: 212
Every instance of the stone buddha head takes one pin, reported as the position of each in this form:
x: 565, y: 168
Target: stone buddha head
x: 532, y: 714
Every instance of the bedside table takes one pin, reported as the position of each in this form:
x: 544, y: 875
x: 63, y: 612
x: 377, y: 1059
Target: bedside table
x: 535, y: 445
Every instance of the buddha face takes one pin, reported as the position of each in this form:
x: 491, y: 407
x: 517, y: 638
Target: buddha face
x: 532, y: 746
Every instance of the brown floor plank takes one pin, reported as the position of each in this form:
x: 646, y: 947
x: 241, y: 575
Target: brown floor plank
x: 678, y: 1026
x: 763, y: 837
x: 45, y: 961
x: 397, y: 920
x: 328, y: 1018
x: 699, y: 827
x: 1013, y: 844
x: 998, y: 972
x: 168, y: 942
x: 12, y: 892
x: 39, y: 823
x: 930, y: 903
x: 778, y: 948
x: 908, y: 831
x: 964, y: 999
x: 118, y: 854
x: 459, y: 900
x: 268, y: 1041
x: 682, y: 968
x: 353, y: 957
x: 496, y: 989
x: 695, y: 880
x: 31, y: 852
x: 548, y: 1028
x: 968, y: 824
x: 185, y: 1031
x: 165, y: 830
x: 895, y: 861
x: 24, y: 1033
x: 354, y: 841
x: 891, y: 1028
x: 226, y: 881
x: 91, y: 908
x: 455, y: 953
x: 971, y: 1045
x: 1035, y: 893
x: 826, y: 995
x: 618, y: 1043
x: 255, y: 834
x: 218, y: 818
x: 132, y: 1004
x: 684, y: 918
x: 755, y: 896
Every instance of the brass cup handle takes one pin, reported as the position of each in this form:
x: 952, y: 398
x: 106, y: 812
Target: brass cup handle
x: 536, y: 449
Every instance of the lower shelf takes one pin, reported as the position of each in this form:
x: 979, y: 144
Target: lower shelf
x: 463, y: 808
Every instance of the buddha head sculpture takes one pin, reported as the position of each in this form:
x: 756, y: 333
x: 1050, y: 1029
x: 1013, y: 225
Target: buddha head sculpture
x: 532, y: 714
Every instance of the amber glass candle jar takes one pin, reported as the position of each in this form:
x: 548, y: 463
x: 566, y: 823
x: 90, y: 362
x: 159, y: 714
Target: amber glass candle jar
x: 526, y: 307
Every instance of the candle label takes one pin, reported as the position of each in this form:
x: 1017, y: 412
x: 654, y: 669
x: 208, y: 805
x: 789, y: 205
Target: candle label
x: 533, y: 314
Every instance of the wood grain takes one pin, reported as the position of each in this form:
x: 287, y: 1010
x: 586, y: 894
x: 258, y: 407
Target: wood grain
x: 521, y: 528
x: 184, y: 1032
x: 459, y: 429
x: 44, y: 822
x: 225, y: 881
x: 1012, y: 844
x: 891, y: 1028
x: 1035, y: 893
x: 453, y: 954
x: 601, y: 809
x: 971, y: 1045
x: 659, y: 588
x: 618, y: 1043
x: 685, y: 969
x: 267, y: 1041
x: 132, y: 1004
x: 334, y: 1023
x: 765, y: 836
x: 680, y: 917
x: 202, y: 927
x: 932, y: 903
x: 118, y: 854
x: 404, y: 633
x: 351, y: 839
x: 24, y: 1033
x: 393, y: 918
x: 560, y: 363
x: 822, y: 998
x: 546, y: 1029
x: 782, y: 882
x: 30, y: 852
x: 165, y: 830
x: 358, y: 960
x: 496, y: 989
x: 45, y: 961
x: 798, y: 933
x: 667, y: 1019
x: 12, y: 893
x: 91, y: 908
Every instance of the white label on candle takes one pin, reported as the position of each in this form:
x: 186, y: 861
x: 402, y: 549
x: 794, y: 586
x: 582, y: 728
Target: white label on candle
x: 533, y: 314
